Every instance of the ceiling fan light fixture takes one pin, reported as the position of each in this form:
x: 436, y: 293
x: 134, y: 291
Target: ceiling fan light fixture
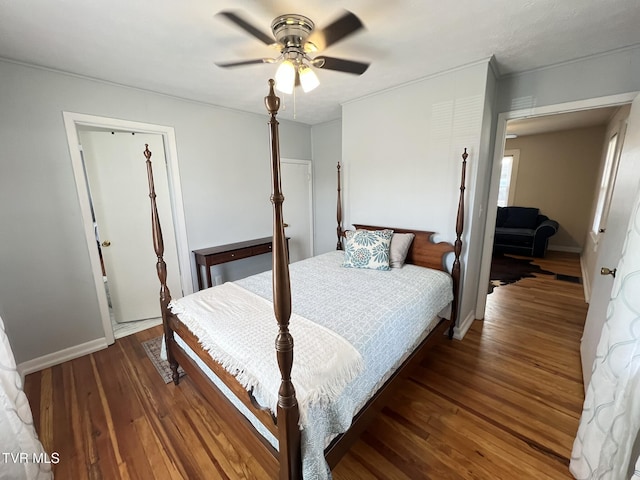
x: 296, y: 37
x: 286, y: 77
x: 308, y: 78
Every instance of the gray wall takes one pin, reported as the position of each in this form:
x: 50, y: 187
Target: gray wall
x: 402, y: 155
x: 47, y: 294
x: 597, y: 76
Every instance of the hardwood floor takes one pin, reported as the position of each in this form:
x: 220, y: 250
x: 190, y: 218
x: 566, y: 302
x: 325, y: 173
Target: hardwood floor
x: 503, y: 403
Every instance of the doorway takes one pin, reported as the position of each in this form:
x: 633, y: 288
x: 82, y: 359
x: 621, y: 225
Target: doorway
x: 297, y: 208
x: 165, y: 147
x: 117, y: 181
x: 503, y: 118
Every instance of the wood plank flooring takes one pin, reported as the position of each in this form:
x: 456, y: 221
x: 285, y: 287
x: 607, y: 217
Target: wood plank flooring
x: 503, y: 403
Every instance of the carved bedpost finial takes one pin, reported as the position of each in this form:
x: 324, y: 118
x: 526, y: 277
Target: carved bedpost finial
x: 457, y: 248
x: 288, y: 411
x: 464, y: 164
x: 161, y: 267
x: 272, y: 101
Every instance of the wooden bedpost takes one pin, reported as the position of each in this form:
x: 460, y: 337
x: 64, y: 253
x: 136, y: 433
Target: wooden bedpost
x: 161, y: 267
x: 288, y: 413
x: 340, y: 232
x: 457, y: 248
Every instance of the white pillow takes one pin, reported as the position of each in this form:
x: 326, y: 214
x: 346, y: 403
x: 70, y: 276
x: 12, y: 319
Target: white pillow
x: 400, y: 243
x: 367, y: 249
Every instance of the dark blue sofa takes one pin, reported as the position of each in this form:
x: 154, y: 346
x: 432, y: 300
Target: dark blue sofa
x: 523, y: 231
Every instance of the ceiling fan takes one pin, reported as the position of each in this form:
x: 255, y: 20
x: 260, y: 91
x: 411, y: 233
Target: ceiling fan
x: 297, y: 40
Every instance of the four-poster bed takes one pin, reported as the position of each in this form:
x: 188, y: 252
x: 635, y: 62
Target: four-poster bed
x: 332, y: 411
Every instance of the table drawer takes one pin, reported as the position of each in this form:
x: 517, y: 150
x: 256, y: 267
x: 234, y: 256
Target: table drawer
x: 229, y: 256
x: 260, y: 249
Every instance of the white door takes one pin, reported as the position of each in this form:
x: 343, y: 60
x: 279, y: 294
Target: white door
x: 607, y: 443
x: 610, y: 245
x: 297, y: 207
x: 116, y: 173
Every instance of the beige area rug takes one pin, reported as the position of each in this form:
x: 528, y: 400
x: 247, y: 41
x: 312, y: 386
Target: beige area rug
x: 153, y: 347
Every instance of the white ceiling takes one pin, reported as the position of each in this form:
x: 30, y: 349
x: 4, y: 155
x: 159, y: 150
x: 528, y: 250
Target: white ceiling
x: 561, y: 121
x: 170, y: 46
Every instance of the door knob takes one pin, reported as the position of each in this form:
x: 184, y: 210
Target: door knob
x: 106, y: 243
x: 608, y: 271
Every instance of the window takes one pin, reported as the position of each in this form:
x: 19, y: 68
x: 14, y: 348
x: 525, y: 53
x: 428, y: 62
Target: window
x: 508, y: 174
x: 604, y: 193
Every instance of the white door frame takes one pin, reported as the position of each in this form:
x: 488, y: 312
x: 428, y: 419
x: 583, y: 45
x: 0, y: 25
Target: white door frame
x: 71, y: 122
x: 501, y: 131
x: 310, y: 173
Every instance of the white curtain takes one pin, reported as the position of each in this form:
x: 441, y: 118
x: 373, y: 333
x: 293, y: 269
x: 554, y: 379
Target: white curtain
x: 608, y: 440
x: 21, y: 454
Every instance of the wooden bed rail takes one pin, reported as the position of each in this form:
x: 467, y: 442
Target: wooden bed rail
x: 288, y: 412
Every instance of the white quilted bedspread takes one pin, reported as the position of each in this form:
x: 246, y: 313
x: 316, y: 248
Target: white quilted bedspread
x: 383, y: 314
x: 238, y: 329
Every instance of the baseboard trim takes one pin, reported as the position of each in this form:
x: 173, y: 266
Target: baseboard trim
x: 585, y: 281
x: 56, y: 358
x: 461, y: 330
x: 560, y: 248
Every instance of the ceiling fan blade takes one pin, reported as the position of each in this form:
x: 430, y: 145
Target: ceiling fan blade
x: 347, y: 24
x: 340, y: 65
x: 236, y: 19
x: 245, y: 62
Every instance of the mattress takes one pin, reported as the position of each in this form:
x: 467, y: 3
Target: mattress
x: 383, y: 314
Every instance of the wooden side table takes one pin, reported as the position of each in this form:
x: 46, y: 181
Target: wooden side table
x: 207, y: 257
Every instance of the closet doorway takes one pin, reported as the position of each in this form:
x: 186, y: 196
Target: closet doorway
x: 116, y: 177
x: 111, y: 178
x: 298, y: 207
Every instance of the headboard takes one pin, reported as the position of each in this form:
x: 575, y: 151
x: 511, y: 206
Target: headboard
x: 423, y: 251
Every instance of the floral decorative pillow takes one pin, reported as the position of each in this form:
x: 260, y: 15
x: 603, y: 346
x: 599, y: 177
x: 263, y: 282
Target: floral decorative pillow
x: 367, y: 249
